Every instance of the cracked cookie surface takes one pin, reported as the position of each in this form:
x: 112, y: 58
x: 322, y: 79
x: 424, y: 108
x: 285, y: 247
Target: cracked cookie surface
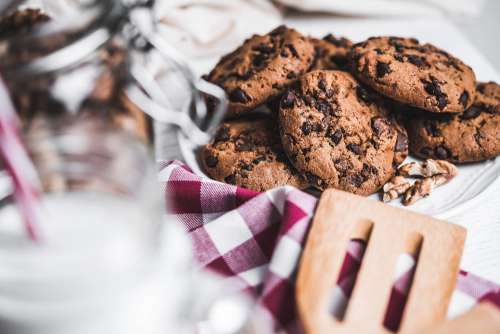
x: 330, y: 52
x: 420, y: 75
x: 338, y: 134
x: 468, y: 137
x: 262, y: 68
x: 248, y: 153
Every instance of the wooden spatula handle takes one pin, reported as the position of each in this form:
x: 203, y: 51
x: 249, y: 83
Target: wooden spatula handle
x: 482, y: 319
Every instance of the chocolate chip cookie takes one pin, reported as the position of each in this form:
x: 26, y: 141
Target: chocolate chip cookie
x: 471, y: 136
x: 420, y: 75
x: 248, y: 153
x: 339, y: 134
x: 331, y: 52
x: 262, y: 68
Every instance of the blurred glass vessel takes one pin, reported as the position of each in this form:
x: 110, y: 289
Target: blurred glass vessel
x: 105, y: 262
x: 102, y: 59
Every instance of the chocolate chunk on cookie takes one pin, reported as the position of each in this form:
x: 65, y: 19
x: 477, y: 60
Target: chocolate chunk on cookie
x: 339, y: 134
x: 420, y: 75
x: 471, y: 136
x: 330, y: 52
x: 248, y: 153
x: 262, y: 68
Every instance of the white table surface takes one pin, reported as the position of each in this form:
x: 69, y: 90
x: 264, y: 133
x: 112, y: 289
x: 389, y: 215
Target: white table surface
x: 482, y: 250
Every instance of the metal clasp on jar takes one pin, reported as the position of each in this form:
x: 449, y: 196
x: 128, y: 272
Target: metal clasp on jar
x: 194, y: 119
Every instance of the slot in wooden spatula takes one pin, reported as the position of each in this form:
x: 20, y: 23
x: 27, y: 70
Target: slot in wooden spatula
x: 388, y: 232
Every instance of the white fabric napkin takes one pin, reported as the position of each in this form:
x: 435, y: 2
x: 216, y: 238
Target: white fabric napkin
x: 208, y: 27
x: 389, y: 7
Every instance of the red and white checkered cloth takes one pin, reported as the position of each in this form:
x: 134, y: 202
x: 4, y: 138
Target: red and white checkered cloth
x: 257, y: 239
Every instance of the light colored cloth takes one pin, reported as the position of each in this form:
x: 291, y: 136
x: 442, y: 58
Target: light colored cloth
x: 200, y: 28
x: 208, y: 27
x: 389, y: 7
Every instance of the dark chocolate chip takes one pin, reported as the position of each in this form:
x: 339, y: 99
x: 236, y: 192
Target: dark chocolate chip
x: 284, y: 53
x: 231, y: 179
x: 464, y: 98
x: 417, y: 60
x: 310, y: 101
x: 399, y: 57
x: 239, y: 96
x: 222, y: 134
x: 247, y: 167
x: 293, y: 50
x: 288, y: 100
x: 378, y: 51
x: 258, y: 160
x: 313, y: 179
x: 433, y: 88
x: 259, y: 59
x: 426, y: 151
x: 357, y: 179
x: 324, y: 107
x: 356, y: 149
x: 322, y: 84
x: 264, y: 48
x: 248, y: 74
x: 339, y: 42
x: 442, y: 102
x: 335, y: 136
x: 317, y: 127
x: 281, y: 157
x: 481, y: 87
x: 244, y: 146
x: 306, y: 128
x: 442, y: 152
x: 472, y: 112
x: 368, y: 170
x: 291, y: 75
x: 432, y: 129
x: 362, y: 94
x: 211, y: 161
x: 383, y: 69
x: 401, y: 143
x: 378, y: 126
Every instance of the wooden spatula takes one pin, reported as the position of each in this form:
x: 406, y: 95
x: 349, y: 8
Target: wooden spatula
x: 389, y: 232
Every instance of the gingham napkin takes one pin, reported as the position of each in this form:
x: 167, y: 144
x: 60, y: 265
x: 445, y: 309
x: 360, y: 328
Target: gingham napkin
x: 257, y: 239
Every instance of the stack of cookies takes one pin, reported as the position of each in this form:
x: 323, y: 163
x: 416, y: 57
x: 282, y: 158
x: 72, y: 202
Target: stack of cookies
x: 332, y: 114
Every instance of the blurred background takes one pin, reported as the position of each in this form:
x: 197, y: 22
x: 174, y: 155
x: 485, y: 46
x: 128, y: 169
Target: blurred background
x: 208, y: 27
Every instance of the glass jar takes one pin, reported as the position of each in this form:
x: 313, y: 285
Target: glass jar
x: 71, y: 67
x: 103, y: 59
x: 105, y: 263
